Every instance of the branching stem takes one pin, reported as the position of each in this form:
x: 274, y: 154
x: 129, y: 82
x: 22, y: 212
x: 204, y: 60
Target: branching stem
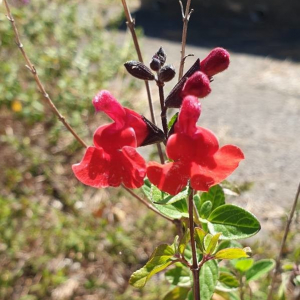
x: 131, y: 26
x: 286, y: 231
x: 185, y: 18
x: 34, y: 73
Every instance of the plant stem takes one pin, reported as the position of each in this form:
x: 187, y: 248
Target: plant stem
x: 131, y: 26
x: 33, y: 70
x: 194, y: 268
x: 286, y: 231
x: 185, y: 18
x: 241, y: 288
x: 163, y: 108
x: 146, y: 203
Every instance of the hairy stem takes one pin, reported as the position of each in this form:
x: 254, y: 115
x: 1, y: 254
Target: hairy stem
x: 185, y: 18
x: 194, y: 268
x: 33, y: 71
x: 131, y: 26
x: 286, y: 231
x: 146, y: 203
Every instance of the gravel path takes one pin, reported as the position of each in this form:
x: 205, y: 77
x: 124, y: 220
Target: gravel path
x: 255, y: 105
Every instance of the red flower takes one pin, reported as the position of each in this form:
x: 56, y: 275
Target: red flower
x: 217, y: 61
x: 196, y: 155
x: 114, y: 159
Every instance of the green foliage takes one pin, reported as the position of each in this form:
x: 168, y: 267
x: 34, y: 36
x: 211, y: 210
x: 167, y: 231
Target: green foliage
x: 159, y: 260
x: 227, y: 282
x: 230, y: 253
x: 215, y: 195
x: 209, y: 274
x: 178, y: 293
x: 176, y: 210
x: 259, y: 269
x: 233, y: 221
x: 179, y: 276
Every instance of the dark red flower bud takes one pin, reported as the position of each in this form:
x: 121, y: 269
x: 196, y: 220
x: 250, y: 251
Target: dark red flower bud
x: 166, y: 73
x: 155, y: 64
x: 217, y: 61
x: 139, y: 70
x: 197, y: 85
x: 162, y: 56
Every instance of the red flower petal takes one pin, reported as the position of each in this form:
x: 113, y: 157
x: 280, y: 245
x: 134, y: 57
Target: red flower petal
x: 104, y: 101
x: 180, y: 147
x: 188, y: 116
x: 111, y: 139
x: 95, y: 169
x: 217, y: 61
x: 133, y: 168
x: 135, y: 121
x: 197, y: 85
x: 99, y: 169
x: 206, y: 144
x: 170, y: 178
x: 226, y: 160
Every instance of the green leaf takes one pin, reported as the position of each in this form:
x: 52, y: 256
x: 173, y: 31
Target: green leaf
x: 199, y: 238
x: 179, y: 276
x: 233, y: 221
x: 230, y: 253
x: 172, y: 121
x: 178, y: 293
x: 184, y: 240
x: 227, y: 282
x: 207, y: 241
x: 215, y: 195
x: 243, y: 264
x: 209, y: 274
x: 197, y: 201
x: 159, y: 260
x: 213, y: 243
x: 229, y: 244
x: 259, y: 269
x: 205, y: 209
x: 166, y: 198
x: 175, y: 210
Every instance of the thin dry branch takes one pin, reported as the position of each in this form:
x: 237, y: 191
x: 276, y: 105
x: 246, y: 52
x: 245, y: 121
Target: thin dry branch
x: 131, y: 26
x: 146, y: 203
x: 48, y: 100
x: 33, y: 71
x: 185, y: 18
x: 286, y: 231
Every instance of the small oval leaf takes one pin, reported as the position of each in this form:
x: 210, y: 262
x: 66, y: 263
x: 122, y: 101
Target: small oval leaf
x: 230, y: 253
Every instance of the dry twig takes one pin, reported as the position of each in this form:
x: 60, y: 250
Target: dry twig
x: 185, y: 18
x: 33, y: 70
x: 286, y: 231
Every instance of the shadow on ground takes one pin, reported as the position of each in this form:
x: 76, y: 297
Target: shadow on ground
x: 252, y: 33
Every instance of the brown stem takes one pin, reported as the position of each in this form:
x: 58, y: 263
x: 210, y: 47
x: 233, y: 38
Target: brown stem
x: 185, y: 18
x: 286, y: 231
x: 33, y: 71
x: 194, y: 268
x: 131, y: 26
x: 146, y: 203
x: 163, y: 108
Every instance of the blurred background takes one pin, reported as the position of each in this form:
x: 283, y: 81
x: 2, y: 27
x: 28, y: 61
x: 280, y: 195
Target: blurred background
x: 62, y: 240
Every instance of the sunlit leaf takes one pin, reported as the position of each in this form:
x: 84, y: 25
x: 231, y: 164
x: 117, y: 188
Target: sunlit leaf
x: 160, y: 260
x: 233, y: 221
x: 259, y: 269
